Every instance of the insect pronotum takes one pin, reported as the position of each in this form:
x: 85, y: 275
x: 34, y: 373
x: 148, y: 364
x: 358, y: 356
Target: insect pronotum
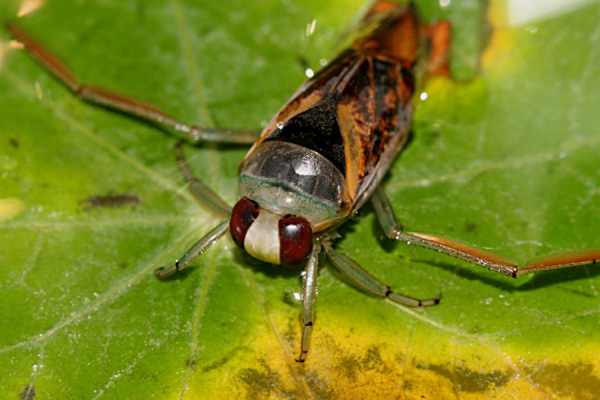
x: 320, y: 159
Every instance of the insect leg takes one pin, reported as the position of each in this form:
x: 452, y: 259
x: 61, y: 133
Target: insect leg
x: 387, y: 220
x: 199, y: 190
x: 393, y: 230
x: 363, y: 280
x: 197, y: 249
x: 561, y: 261
x: 124, y: 104
x: 310, y: 294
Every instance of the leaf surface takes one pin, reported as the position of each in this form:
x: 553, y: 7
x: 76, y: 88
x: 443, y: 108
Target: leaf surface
x: 505, y: 159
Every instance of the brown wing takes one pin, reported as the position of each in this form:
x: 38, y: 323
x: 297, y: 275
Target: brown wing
x: 374, y: 112
x: 374, y: 108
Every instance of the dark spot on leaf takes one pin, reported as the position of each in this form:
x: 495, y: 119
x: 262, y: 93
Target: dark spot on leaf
x: 140, y: 10
x: 470, y: 227
x: 318, y: 386
x: 221, y: 361
x: 400, y: 358
x: 348, y: 366
x: 265, y: 383
x: 290, y: 333
x: 351, y: 365
x: 264, y: 380
x: 28, y: 392
x: 371, y: 359
x: 551, y: 168
x: 430, y: 137
x: 14, y: 142
x: 576, y: 381
x: 427, y: 134
x: 111, y: 201
x: 468, y: 380
x: 191, y: 363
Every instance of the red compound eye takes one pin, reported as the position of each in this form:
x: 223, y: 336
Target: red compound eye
x: 243, y: 215
x: 295, y: 239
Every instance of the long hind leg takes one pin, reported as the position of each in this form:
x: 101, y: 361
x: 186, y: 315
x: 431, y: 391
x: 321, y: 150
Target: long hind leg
x: 192, y: 133
x: 387, y: 219
x: 127, y: 105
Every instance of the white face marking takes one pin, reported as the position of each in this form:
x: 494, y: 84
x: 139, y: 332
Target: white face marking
x: 262, y: 238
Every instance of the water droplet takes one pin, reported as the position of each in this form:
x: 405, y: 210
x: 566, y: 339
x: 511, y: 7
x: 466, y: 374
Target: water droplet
x: 297, y: 296
x: 311, y: 27
x: 444, y: 3
x: 293, y: 297
x: 309, y: 72
x: 423, y: 96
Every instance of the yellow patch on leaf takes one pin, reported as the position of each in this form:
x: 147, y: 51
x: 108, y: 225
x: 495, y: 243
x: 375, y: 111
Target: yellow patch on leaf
x: 10, y: 207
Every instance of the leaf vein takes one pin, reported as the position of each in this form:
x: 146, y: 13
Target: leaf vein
x: 113, y: 293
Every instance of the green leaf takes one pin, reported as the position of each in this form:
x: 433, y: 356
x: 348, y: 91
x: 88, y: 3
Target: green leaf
x: 505, y: 159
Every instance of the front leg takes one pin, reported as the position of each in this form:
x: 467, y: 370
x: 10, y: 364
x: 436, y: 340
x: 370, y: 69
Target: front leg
x: 193, y: 252
x: 309, y: 296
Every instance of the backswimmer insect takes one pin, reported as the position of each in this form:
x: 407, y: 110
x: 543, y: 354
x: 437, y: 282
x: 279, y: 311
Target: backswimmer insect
x: 321, y: 158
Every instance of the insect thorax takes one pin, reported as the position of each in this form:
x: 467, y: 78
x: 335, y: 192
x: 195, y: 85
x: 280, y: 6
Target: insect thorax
x: 287, y: 178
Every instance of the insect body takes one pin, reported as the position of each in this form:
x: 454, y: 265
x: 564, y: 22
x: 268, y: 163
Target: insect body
x: 320, y: 159
x: 327, y: 149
